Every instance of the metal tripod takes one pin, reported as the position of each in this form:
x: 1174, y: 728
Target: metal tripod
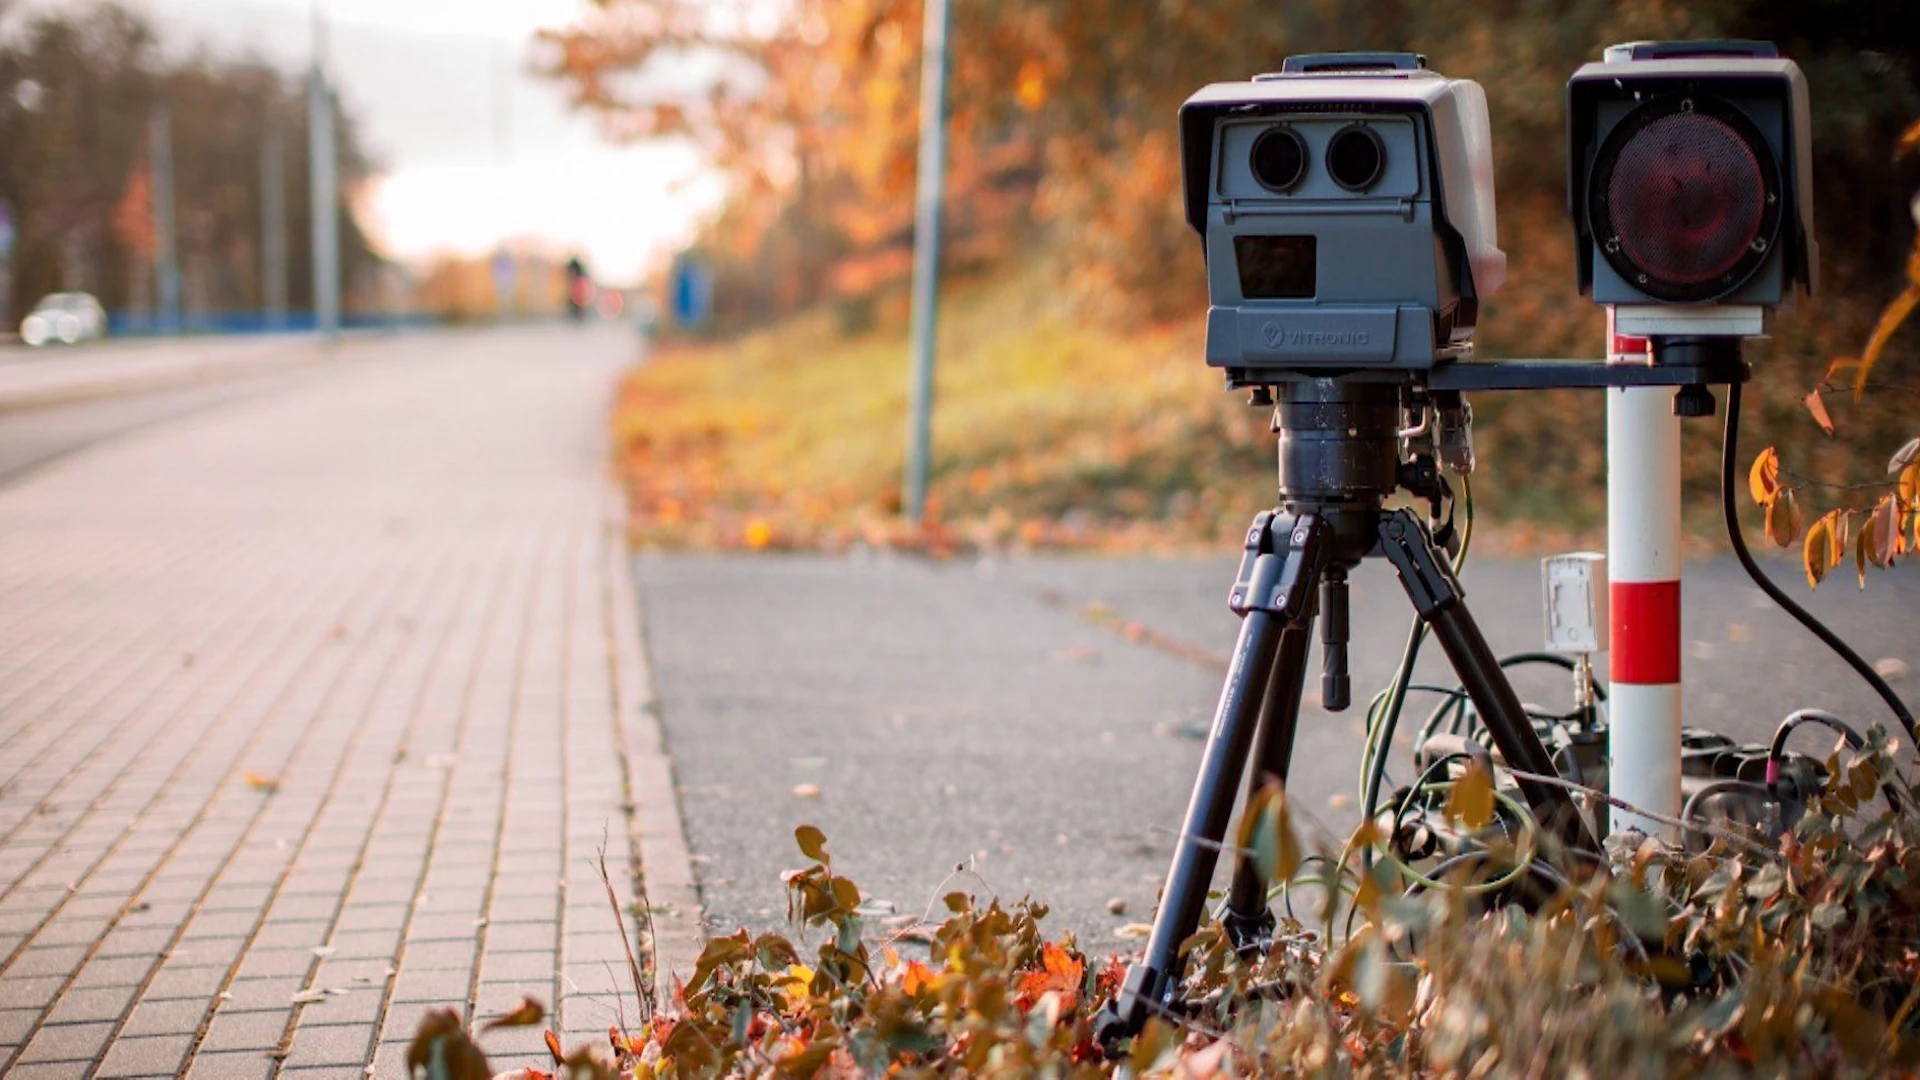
x: 1339, y: 460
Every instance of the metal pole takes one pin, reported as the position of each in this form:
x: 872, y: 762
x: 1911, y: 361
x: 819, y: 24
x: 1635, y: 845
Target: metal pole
x: 502, y: 79
x: 326, y: 232
x: 6, y: 271
x: 273, y: 226
x: 926, y: 254
x: 1643, y: 562
x: 165, y: 259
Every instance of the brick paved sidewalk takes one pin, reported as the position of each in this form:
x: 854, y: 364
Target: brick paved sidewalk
x: 314, y: 713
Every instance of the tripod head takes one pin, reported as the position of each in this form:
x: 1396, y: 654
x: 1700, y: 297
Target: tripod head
x: 1342, y: 453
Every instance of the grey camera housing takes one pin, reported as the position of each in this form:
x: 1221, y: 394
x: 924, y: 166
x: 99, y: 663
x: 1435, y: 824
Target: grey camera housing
x: 1752, y: 88
x: 1319, y: 276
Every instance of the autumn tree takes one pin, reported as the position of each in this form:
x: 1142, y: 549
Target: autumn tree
x: 77, y: 90
x: 1874, y: 519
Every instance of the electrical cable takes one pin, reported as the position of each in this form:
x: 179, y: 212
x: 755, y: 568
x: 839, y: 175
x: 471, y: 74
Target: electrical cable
x: 1776, y: 750
x: 1412, y: 791
x: 1528, y: 847
x: 1379, y: 742
x: 1385, y: 710
x: 1698, y: 799
x: 1335, y: 880
x: 1729, y: 455
x: 1810, y: 716
x: 1380, y: 735
x: 1456, y: 702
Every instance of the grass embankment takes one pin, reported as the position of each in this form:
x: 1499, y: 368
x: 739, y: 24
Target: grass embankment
x: 1055, y: 429
x: 1047, y: 432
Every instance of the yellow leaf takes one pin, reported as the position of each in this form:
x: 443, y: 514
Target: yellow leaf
x: 1783, y: 519
x: 1820, y: 553
x: 1909, y: 490
x: 1882, y: 538
x: 1367, y: 896
x: 916, y: 978
x: 1860, y: 553
x: 1909, y: 140
x: 1763, y: 480
x: 1030, y: 87
x: 1471, y: 803
x: 262, y: 783
x: 1890, y: 320
x: 758, y: 534
x: 1819, y: 410
x: 1266, y: 831
x: 1903, y: 457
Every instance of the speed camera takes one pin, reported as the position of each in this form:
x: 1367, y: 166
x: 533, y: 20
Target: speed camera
x: 1345, y: 207
x: 1690, y: 185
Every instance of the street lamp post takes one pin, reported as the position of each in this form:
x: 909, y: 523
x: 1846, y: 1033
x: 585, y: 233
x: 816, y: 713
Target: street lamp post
x: 26, y: 96
x: 165, y: 264
x: 273, y: 226
x: 326, y: 225
x: 926, y: 256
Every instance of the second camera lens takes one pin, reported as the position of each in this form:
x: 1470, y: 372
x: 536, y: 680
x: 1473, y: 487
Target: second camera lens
x: 1279, y: 158
x: 1356, y: 157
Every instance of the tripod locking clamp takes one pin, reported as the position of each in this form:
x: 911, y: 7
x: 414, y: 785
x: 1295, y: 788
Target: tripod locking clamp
x: 1429, y: 581
x: 1289, y: 596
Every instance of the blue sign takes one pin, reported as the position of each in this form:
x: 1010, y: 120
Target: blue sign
x: 6, y: 230
x: 690, y: 292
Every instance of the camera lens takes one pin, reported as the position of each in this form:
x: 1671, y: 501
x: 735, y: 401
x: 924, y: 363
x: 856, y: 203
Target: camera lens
x: 1279, y: 158
x: 1356, y: 157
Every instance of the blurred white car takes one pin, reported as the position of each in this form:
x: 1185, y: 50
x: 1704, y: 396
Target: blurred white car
x: 67, y: 318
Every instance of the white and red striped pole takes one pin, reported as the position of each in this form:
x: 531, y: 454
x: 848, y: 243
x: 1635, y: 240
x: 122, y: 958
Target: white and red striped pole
x: 1643, y: 565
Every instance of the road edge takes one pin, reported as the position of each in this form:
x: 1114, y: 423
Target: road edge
x: 657, y: 830
x: 205, y: 373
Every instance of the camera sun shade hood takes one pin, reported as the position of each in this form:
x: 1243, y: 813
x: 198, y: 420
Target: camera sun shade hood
x: 1727, y: 72
x: 1461, y: 140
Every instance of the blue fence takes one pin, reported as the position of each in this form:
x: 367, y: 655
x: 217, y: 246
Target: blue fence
x: 143, y: 324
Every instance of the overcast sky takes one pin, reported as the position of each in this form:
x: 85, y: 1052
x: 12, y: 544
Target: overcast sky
x: 475, y: 151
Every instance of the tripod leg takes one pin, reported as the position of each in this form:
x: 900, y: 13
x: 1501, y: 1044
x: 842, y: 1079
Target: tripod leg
x: 1437, y: 596
x: 1248, y: 921
x: 1195, y: 854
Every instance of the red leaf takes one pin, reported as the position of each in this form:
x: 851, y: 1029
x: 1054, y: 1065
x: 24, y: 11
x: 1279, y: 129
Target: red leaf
x: 1060, y: 972
x: 526, y: 1014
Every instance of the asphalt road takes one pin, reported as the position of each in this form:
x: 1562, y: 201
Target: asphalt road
x: 30, y: 438
x: 977, y: 715
x: 33, y: 378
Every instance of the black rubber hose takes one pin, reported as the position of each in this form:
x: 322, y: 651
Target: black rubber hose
x: 1777, y: 749
x: 1698, y: 799
x: 1729, y: 458
x: 1812, y: 716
